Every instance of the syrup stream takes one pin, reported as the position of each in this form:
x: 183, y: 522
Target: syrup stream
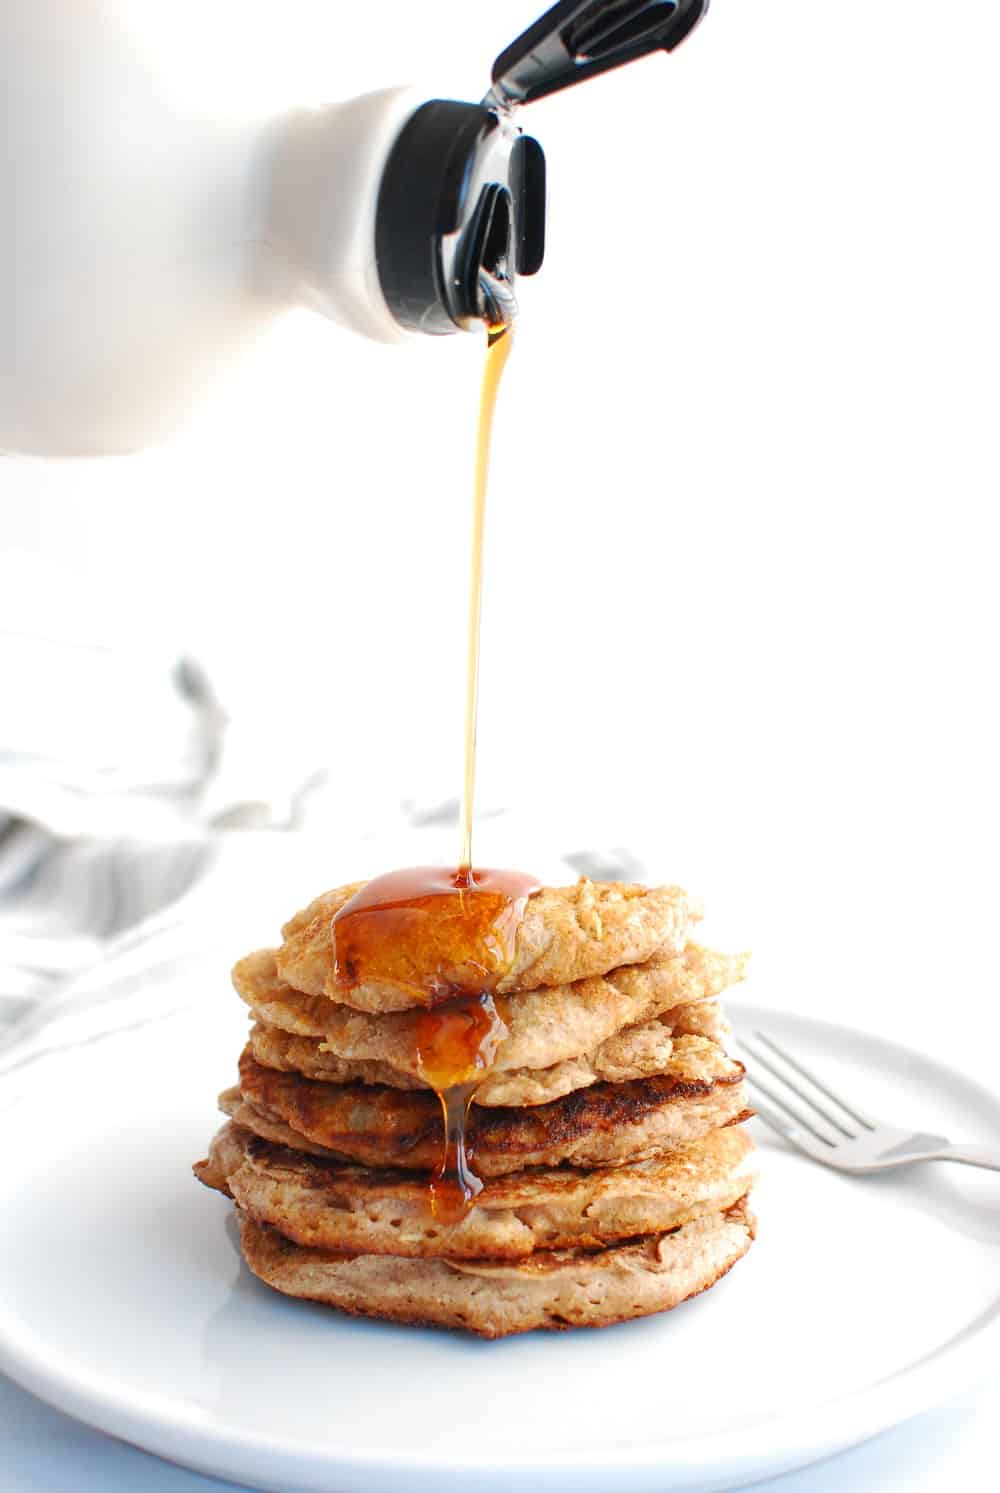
x: 402, y: 927
x: 498, y: 345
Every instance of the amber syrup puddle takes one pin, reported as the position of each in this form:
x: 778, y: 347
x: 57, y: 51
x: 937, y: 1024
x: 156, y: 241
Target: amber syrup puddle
x: 446, y: 937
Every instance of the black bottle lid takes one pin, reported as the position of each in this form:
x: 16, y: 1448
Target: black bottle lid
x: 462, y: 204
x: 461, y: 208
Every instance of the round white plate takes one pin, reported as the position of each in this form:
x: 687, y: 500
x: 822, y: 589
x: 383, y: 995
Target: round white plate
x: 123, y: 1300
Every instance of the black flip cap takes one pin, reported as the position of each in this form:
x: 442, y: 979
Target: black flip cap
x: 579, y: 39
x: 461, y: 209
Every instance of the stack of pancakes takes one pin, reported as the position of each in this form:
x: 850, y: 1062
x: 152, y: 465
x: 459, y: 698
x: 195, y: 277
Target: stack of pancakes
x: 606, y: 1128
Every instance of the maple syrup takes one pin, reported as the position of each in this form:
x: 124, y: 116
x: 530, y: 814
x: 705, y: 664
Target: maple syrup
x: 455, y: 1043
x: 430, y: 933
x: 445, y: 938
x: 499, y: 337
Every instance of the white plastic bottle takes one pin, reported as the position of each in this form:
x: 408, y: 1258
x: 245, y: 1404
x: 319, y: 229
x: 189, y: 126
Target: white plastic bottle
x: 144, y: 241
x: 146, y: 235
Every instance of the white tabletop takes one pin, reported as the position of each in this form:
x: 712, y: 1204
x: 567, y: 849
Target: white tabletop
x: 46, y: 1452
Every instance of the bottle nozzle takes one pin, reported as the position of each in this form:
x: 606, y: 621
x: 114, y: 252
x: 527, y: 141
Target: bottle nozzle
x: 461, y: 211
x: 578, y: 39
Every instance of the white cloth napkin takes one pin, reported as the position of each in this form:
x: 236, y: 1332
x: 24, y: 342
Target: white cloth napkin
x: 118, y: 766
x: 124, y: 784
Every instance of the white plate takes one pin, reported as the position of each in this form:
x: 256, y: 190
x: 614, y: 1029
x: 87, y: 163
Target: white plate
x: 123, y: 1301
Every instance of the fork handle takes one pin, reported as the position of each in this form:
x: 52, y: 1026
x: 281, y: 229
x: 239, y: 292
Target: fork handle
x: 985, y: 1156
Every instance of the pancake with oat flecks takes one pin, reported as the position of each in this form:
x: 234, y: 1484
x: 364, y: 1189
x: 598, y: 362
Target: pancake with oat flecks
x: 597, y: 1168
x: 543, y: 1027
x: 603, y: 1125
x: 494, y: 1298
x: 565, y: 934
x: 635, y: 1052
x: 327, y: 1205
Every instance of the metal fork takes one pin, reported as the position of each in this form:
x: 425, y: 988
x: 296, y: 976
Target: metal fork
x: 837, y: 1133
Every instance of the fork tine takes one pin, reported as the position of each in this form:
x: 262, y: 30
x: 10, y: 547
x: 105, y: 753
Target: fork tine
x: 795, y: 1117
x: 817, y: 1083
x: 785, y: 1126
x: 788, y: 1083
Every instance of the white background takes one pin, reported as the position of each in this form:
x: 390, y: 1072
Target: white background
x: 742, y: 599
x: 742, y: 596
x: 741, y: 581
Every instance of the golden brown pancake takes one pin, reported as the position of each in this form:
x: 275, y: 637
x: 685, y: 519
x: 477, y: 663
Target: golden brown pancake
x: 636, y: 1052
x: 352, y: 1209
x: 606, y: 1124
x: 562, y: 1288
x: 268, y: 1126
x: 544, y: 1026
x: 566, y: 934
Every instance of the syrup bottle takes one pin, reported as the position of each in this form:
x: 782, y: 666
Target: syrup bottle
x: 148, y: 237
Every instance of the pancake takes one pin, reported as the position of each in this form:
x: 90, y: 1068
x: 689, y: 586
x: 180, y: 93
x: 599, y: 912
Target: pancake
x: 606, y: 1124
x: 544, y: 1026
x: 566, y: 934
x: 350, y: 1209
x: 702, y: 1019
x: 562, y: 1288
x: 269, y: 1126
x: 637, y: 1052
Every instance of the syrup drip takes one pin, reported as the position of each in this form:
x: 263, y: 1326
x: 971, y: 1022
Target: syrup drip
x: 455, y: 1042
x: 446, y: 938
x: 455, y: 1186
